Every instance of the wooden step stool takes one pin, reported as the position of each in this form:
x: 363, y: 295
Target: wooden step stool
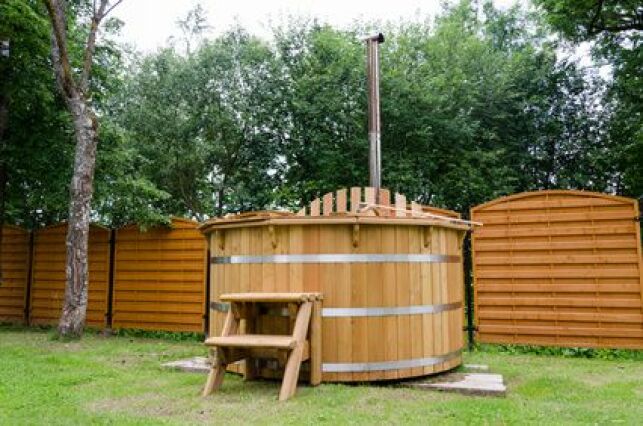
x: 304, y: 343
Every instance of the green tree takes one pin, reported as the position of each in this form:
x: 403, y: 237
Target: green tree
x: 525, y: 120
x: 321, y: 110
x: 206, y: 118
x: 614, y: 28
x: 34, y: 153
x: 583, y: 20
x: 474, y: 106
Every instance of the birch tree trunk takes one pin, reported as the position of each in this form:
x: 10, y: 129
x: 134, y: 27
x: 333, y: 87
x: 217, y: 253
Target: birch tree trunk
x: 76, y: 90
x: 72, y: 320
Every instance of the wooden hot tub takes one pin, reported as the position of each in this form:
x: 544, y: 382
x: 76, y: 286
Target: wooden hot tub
x: 392, y: 285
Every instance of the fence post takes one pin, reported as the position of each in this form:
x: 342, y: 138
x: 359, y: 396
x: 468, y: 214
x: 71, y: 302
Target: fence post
x: 30, y: 259
x: 110, y: 279
x: 468, y: 289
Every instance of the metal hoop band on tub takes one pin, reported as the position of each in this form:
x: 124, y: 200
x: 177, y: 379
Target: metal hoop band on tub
x: 337, y: 258
x: 353, y: 367
x: 390, y: 311
x: 366, y: 312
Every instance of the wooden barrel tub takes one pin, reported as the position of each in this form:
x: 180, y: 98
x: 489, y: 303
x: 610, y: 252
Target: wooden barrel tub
x: 392, y: 287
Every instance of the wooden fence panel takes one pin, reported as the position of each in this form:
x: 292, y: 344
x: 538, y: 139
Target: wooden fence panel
x: 48, y: 280
x: 15, y: 272
x: 159, y: 278
x: 560, y: 268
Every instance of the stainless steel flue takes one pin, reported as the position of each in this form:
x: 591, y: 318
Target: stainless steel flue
x: 373, y: 75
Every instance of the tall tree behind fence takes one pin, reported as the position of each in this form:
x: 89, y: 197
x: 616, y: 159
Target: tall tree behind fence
x: 48, y: 281
x: 559, y: 268
x: 15, y: 273
x: 159, y: 278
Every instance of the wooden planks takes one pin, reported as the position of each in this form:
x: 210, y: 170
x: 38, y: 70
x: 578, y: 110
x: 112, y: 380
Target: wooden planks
x: 270, y: 297
x: 14, y: 263
x: 338, y: 203
x: 48, y: 277
x: 559, y: 268
x: 159, y: 278
x: 253, y: 341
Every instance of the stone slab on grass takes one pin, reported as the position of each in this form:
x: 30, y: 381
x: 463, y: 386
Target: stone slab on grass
x: 467, y: 383
x: 476, y: 367
x: 484, y: 384
x: 197, y: 364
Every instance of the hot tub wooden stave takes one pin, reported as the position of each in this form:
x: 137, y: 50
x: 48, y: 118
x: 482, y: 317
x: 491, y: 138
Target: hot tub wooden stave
x: 392, y: 289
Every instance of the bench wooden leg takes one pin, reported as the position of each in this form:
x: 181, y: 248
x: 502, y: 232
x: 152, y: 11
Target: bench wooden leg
x: 215, y: 378
x: 217, y: 372
x: 315, y: 344
x: 252, y: 312
x: 291, y: 373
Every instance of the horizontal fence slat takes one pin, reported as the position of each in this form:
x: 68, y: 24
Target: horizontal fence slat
x: 562, y: 202
x: 194, y: 296
x: 562, y: 331
x: 569, y: 288
x: 511, y: 218
x: 563, y: 316
x: 509, y: 259
x: 483, y: 246
x: 557, y: 301
x: 562, y: 273
x: 531, y: 231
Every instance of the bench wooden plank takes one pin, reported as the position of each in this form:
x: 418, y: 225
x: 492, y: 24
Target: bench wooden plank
x: 269, y: 297
x: 253, y: 341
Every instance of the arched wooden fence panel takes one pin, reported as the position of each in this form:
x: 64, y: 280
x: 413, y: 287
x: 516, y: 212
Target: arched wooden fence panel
x: 559, y: 268
x: 159, y: 278
x: 48, y: 276
x: 14, y: 258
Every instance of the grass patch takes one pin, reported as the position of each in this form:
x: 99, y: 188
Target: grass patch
x: 167, y: 335
x: 118, y: 380
x: 610, y: 354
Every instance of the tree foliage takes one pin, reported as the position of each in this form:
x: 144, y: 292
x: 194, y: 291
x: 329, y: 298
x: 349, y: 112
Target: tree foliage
x: 34, y: 142
x: 581, y: 20
x: 615, y: 29
x: 475, y: 104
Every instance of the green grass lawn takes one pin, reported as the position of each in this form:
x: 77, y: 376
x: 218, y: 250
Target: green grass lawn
x: 118, y: 380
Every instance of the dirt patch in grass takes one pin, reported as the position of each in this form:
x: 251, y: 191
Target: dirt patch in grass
x: 149, y: 404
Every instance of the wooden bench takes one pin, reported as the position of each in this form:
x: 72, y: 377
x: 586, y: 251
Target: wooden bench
x: 303, y: 344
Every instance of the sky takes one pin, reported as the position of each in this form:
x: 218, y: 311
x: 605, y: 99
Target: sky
x: 149, y: 23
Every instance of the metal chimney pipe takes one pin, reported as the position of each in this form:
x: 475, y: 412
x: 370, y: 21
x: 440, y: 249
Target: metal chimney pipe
x: 373, y: 76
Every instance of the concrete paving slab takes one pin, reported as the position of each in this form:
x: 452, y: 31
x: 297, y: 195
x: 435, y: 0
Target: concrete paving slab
x: 466, y: 383
x: 193, y: 365
x: 476, y: 367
